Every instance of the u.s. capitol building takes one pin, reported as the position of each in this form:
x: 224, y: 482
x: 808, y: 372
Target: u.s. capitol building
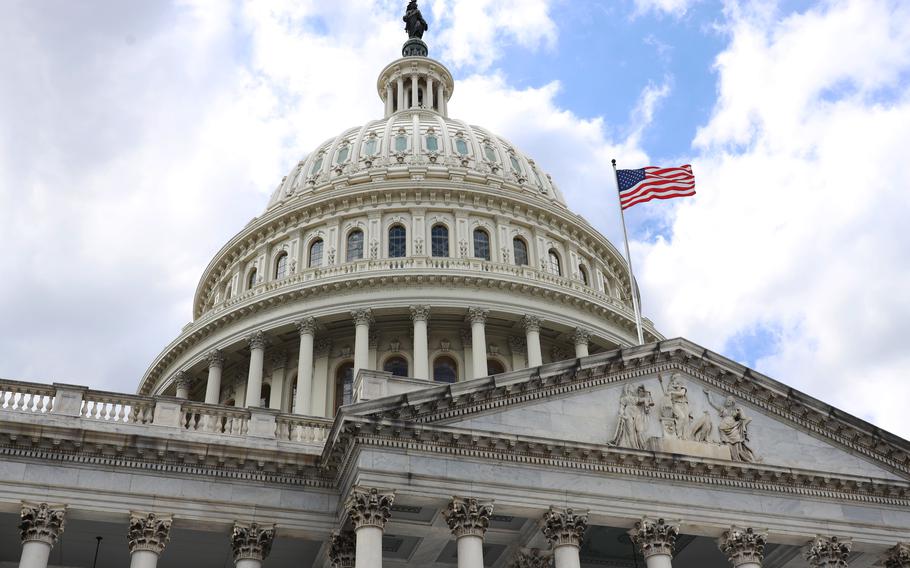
x: 418, y: 356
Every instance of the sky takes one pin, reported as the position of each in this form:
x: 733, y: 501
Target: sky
x: 138, y: 136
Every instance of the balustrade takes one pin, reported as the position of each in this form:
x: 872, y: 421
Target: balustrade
x: 113, y: 407
x: 293, y: 428
x: 24, y: 397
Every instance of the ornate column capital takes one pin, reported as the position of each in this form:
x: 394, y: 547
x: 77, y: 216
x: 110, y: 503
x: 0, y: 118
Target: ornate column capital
x: 517, y: 344
x: 149, y: 531
x: 278, y: 359
x: 828, y: 552
x: 581, y: 336
x: 306, y: 326
x: 322, y: 347
x: 183, y: 380
x: 369, y: 507
x: 342, y: 549
x: 41, y: 522
x: 654, y: 537
x: 478, y: 315
x: 532, y: 558
x: 258, y: 340
x: 564, y: 527
x: 215, y: 358
x: 468, y: 516
x: 898, y: 556
x: 531, y: 323
x: 362, y: 317
x: 252, y: 540
x: 743, y: 546
x: 420, y: 313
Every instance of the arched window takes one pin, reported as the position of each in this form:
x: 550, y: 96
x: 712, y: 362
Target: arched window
x: 555, y: 267
x: 344, y: 384
x: 396, y: 365
x: 481, y: 244
x: 445, y: 370
x: 520, y: 251
x: 439, y: 236
x: 398, y: 242
x: 316, y: 253
x: 583, y: 274
x: 251, y: 280
x: 355, y: 245
x: 494, y: 367
x: 265, y: 396
x: 228, y: 292
x: 281, y: 266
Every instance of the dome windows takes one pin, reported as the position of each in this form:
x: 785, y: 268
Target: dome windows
x: 481, y: 244
x: 401, y: 143
x: 554, y: 266
x: 251, y: 279
x: 488, y: 152
x: 317, y: 165
x: 354, y: 245
x: 461, y: 146
x: 439, y: 240
x: 315, y: 256
x: 371, y: 146
x: 344, y: 384
x: 495, y: 367
x: 432, y: 141
x: 343, y: 154
x: 583, y: 275
x: 281, y: 266
x: 445, y: 370
x: 397, y: 365
x: 520, y: 251
x: 398, y: 241
x: 516, y: 167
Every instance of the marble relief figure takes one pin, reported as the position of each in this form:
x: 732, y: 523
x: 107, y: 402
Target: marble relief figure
x: 634, y: 408
x: 674, y: 412
x: 733, y: 428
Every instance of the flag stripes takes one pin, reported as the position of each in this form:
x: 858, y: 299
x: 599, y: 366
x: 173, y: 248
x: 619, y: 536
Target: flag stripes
x: 645, y: 184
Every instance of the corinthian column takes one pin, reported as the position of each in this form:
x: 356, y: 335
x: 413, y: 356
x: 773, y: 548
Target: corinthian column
x: 421, y: 315
x: 468, y: 520
x: 828, y: 552
x: 478, y: 319
x: 40, y: 525
x: 655, y: 539
x: 532, y: 339
x: 147, y: 537
x: 369, y: 509
x: 213, y: 384
x: 581, y: 337
x: 303, y: 403
x: 251, y: 543
x: 362, y: 321
x: 565, y: 531
x: 254, y: 379
x: 898, y: 556
x: 342, y: 548
x: 183, y: 383
x: 744, y: 548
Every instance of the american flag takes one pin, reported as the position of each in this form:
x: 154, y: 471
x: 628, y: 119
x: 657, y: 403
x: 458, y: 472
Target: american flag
x: 645, y: 184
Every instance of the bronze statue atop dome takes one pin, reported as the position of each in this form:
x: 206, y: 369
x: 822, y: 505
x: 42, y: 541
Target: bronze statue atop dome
x: 415, y: 25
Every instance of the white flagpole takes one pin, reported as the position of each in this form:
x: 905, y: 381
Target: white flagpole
x: 633, y: 286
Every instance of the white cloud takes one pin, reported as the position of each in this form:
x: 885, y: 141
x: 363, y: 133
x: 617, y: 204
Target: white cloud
x: 672, y: 7
x: 797, y: 231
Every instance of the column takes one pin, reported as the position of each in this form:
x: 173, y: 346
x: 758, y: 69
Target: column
x: 389, y: 101
x: 468, y: 354
x: 415, y: 91
x: 898, y: 556
x: 40, y: 525
x: 303, y: 401
x: 468, y: 520
x: 183, y: 382
x: 532, y: 339
x: 429, y: 100
x: 828, y: 552
x: 213, y: 385
x: 655, y: 540
x: 323, y: 385
x: 400, y: 92
x: 532, y: 558
x: 565, y: 531
x: 420, y: 315
x: 362, y: 321
x: 342, y: 549
x: 254, y: 379
x: 517, y: 347
x: 279, y: 362
x: 251, y: 544
x: 369, y: 510
x: 147, y: 537
x: 478, y: 319
x: 744, y: 548
x: 581, y: 337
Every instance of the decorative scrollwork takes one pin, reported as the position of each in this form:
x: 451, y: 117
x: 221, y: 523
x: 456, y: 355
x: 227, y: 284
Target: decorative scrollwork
x: 369, y: 507
x: 468, y: 517
x: 654, y: 537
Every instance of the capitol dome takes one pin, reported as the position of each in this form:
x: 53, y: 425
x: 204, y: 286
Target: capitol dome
x: 416, y: 246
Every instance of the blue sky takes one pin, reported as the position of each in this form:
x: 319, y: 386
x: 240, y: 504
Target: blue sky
x: 140, y: 136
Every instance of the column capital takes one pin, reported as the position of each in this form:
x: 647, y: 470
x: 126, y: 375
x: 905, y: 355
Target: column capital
x: 743, y: 545
x: 420, y: 313
x: 257, y: 340
x: 581, y: 336
x: 468, y: 516
x: 517, y: 344
x: 654, y: 537
x: 369, y: 507
x: 149, y: 531
x: 342, y: 549
x: 322, y: 347
x: 564, y: 527
x: 252, y: 540
x: 362, y: 317
x: 278, y: 359
x: 532, y: 558
x: 531, y: 323
x: 306, y: 326
x: 898, y: 556
x: 182, y: 379
x: 215, y: 358
x: 828, y: 552
x: 478, y: 315
x: 41, y: 522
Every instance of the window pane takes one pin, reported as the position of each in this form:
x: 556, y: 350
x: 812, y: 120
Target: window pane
x: 583, y: 272
x: 316, y: 254
x: 251, y: 280
x: 370, y: 147
x: 343, y: 155
x: 520, y: 250
x: 401, y: 143
x: 355, y: 246
x: 317, y: 165
x: 481, y: 244
x: 398, y: 242
x: 398, y: 366
x: 515, y: 166
x: 440, y: 240
x: 461, y: 146
x: 445, y: 370
x: 494, y: 367
x: 432, y: 144
x: 344, y: 384
x: 554, y: 264
x: 281, y: 267
x: 489, y: 153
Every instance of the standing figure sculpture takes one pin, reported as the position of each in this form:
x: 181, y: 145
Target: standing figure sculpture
x: 733, y: 428
x: 414, y: 23
x: 676, y: 406
x: 634, y: 407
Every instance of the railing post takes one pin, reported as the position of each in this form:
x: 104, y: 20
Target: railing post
x: 168, y: 412
x: 68, y: 399
x: 263, y: 423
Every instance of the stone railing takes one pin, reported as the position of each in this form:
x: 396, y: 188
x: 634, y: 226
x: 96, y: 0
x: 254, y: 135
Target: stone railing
x: 158, y: 414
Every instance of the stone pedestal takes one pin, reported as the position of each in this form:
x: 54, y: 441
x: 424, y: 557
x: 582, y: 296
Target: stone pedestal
x: 689, y: 448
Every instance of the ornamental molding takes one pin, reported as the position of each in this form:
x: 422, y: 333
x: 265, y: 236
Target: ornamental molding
x: 362, y: 316
x: 369, y: 507
x: 343, y: 549
x: 581, y: 336
x: 654, y: 537
x: 530, y: 323
x: 743, y: 545
x: 306, y: 326
x: 897, y: 556
x: 41, y: 522
x: 828, y: 552
x: 532, y: 558
x: 468, y: 516
x: 149, y: 531
x: 564, y: 527
x: 252, y: 541
x: 257, y: 340
x: 215, y: 358
x: 420, y: 313
x: 478, y: 315
x: 182, y: 380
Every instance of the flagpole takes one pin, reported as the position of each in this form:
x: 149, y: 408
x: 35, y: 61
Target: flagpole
x: 625, y: 234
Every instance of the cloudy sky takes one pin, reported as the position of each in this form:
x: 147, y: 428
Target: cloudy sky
x: 136, y: 137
